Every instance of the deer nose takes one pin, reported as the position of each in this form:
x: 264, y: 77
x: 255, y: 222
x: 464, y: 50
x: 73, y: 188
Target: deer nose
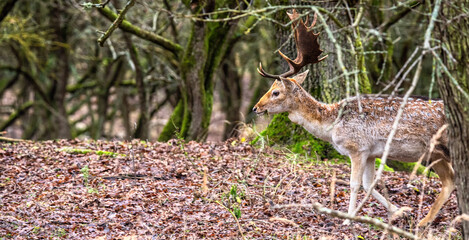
x: 254, y: 109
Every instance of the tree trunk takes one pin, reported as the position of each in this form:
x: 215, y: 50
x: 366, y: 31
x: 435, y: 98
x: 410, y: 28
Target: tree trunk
x: 59, y: 24
x: 231, y: 93
x: 456, y: 96
x: 143, y: 128
x: 191, y: 117
x: 115, y: 73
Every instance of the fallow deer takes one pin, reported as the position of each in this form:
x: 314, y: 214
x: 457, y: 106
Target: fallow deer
x: 360, y: 134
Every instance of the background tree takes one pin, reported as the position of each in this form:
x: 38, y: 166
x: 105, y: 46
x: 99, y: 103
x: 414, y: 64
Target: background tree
x: 453, y: 79
x: 83, y: 89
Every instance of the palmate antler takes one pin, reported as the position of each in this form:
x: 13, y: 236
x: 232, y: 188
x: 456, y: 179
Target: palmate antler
x: 307, y: 48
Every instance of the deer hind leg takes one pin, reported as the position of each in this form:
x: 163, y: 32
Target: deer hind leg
x: 446, y: 173
x: 368, y: 177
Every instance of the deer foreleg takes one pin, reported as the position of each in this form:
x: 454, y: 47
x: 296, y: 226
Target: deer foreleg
x: 358, y: 166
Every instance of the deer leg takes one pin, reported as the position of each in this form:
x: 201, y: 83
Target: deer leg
x: 446, y: 173
x: 358, y: 166
x: 368, y: 178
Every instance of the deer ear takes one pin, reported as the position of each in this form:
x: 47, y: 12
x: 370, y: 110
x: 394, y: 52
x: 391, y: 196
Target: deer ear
x: 287, y: 83
x: 300, y: 78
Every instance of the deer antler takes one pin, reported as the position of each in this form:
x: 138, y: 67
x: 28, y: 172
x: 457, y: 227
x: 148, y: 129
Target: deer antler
x: 307, y: 48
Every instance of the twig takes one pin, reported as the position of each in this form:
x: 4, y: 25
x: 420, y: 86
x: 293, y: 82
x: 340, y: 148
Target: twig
x: 96, y: 5
x: 234, y: 216
x: 431, y: 25
x: 7, y: 139
x: 333, y: 181
x: 318, y: 207
x: 395, y: 18
x: 453, y: 80
x: 409, y: 60
x: 116, y: 23
x: 396, y: 88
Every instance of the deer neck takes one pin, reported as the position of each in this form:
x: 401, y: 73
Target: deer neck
x: 316, y: 117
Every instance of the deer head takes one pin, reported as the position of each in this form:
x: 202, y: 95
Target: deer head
x: 277, y: 99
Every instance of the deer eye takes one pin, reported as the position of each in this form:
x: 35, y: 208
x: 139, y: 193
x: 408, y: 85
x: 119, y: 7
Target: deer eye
x: 275, y: 93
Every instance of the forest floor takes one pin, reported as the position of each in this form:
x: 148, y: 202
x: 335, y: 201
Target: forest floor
x: 77, y: 189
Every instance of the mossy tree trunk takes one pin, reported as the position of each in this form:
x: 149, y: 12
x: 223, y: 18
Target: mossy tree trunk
x: 455, y: 93
x: 202, y: 56
x: 59, y: 23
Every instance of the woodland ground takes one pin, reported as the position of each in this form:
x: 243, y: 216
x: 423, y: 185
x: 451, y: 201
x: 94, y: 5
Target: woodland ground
x: 77, y: 189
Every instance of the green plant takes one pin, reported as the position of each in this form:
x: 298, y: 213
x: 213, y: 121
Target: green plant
x: 60, y: 232
x: 232, y: 200
x: 86, y: 176
x: 36, y: 229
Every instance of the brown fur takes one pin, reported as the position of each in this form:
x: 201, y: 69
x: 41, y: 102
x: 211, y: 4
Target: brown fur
x: 362, y: 135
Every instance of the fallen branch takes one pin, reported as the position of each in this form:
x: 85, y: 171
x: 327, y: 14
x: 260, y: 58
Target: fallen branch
x: 318, y: 207
x: 7, y: 139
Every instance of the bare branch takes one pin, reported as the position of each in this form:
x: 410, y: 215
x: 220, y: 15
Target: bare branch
x: 398, y: 16
x: 97, y: 5
x: 116, y: 23
x: 126, y: 26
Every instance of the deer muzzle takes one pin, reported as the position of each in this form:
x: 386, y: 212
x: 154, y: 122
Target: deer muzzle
x: 258, y: 111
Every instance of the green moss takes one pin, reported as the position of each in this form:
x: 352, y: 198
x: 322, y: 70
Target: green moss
x: 386, y: 167
x: 85, y: 151
x: 408, y: 167
x: 281, y: 131
x: 186, y: 121
x: 365, y: 86
x: 174, y: 123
